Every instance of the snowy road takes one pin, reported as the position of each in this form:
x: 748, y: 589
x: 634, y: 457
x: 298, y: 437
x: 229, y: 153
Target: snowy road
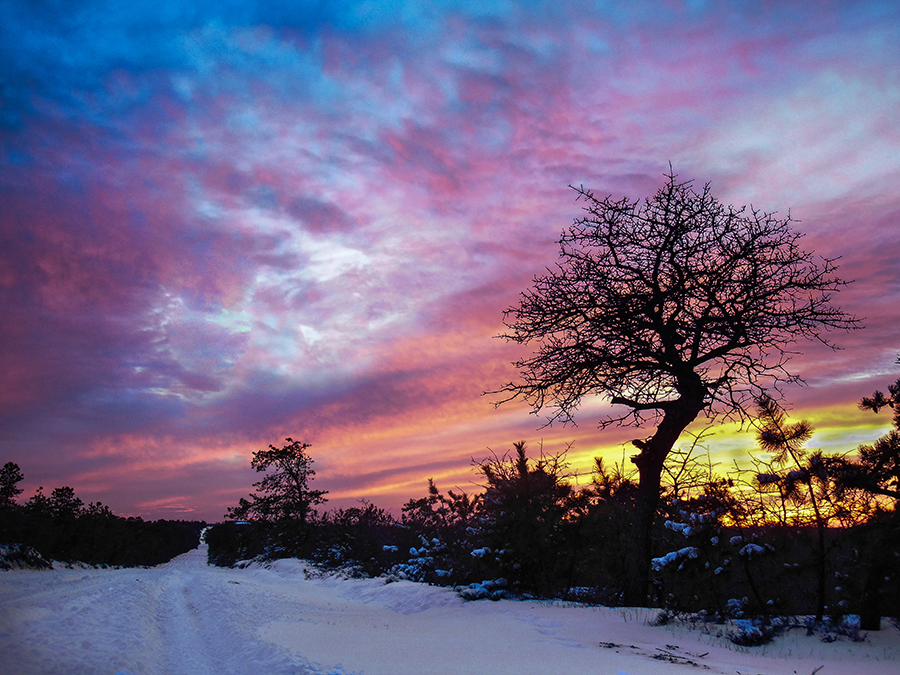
x: 183, y: 617
x: 188, y: 618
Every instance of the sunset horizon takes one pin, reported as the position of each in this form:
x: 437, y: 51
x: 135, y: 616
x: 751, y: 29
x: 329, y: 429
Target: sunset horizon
x: 223, y: 227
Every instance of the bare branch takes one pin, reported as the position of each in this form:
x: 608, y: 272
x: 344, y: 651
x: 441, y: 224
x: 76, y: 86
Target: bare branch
x: 647, y: 297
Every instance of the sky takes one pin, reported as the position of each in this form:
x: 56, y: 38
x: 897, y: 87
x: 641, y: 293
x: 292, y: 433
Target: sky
x: 224, y: 224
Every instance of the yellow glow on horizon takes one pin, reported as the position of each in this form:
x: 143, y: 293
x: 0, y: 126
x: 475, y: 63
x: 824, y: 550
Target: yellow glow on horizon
x: 388, y: 461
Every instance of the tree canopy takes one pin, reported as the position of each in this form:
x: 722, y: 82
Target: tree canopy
x: 669, y: 307
x: 877, y: 469
x: 284, y: 493
x: 678, y: 295
x: 10, y: 477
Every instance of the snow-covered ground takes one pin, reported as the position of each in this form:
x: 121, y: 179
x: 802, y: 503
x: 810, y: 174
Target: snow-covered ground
x: 186, y: 617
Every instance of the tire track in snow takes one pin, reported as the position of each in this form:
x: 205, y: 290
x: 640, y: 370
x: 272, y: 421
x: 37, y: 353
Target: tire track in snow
x: 181, y: 618
x: 179, y: 624
x: 206, y: 627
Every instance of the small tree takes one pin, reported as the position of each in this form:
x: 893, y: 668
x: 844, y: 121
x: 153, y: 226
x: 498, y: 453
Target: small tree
x: 876, y: 471
x: 607, y: 529
x: 283, y: 494
x: 445, y: 516
x: 64, y: 505
x: 668, y: 308
x: 448, y: 528
x: 526, y: 506
x: 805, y: 482
x: 10, y: 477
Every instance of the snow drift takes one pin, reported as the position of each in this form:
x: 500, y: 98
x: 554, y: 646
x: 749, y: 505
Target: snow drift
x: 189, y: 618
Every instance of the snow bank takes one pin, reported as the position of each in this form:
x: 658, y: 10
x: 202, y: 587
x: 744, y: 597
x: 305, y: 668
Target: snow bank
x: 20, y: 557
x: 187, y: 618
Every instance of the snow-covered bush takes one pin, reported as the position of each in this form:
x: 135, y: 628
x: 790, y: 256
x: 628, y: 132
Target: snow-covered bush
x: 21, y: 557
x: 363, y: 540
x: 491, y: 589
x: 734, y: 607
x: 528, y: 527
x: 694, y: 571
x: 751, y: 550
x: 421, y: 565
x: 753, y: 632
x: 831, y: 629
x: 448, y: 528
x: 688, y: 552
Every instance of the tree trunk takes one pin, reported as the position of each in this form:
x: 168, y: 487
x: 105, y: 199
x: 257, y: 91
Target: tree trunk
x: 820, y: 568
x: 641, y: 544
x: 878, y: 556
x: 650, y: 464
x: 870, y: 607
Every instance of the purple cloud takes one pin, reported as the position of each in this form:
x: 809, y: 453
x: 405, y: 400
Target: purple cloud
x: 222, y: 226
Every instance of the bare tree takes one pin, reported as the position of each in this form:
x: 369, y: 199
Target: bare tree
x: 669, y: 307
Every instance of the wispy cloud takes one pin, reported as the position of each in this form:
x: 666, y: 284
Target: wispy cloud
x: 225, y: 225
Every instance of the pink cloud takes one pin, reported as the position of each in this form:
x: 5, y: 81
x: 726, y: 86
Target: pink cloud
x: 316, y: 236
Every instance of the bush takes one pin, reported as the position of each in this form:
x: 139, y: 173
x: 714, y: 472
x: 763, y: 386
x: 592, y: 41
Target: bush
x: 363, y: 540
x: 230, y: 542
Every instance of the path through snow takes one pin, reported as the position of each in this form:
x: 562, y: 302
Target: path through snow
x: 188, y: 618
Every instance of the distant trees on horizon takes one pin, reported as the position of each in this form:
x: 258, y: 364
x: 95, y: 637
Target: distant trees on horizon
x: 60, y: 527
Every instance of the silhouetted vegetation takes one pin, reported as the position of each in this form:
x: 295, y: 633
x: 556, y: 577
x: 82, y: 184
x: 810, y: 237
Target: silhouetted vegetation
x: 667, y: 308
x: 60, y: 527
x: 796, y: 533
x: 231, y: 542
x: 284, y: 493
x: 283, y: 507
x: 875, y: 472
x: 362, y: 540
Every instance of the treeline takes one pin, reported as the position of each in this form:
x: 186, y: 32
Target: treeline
x: 797, y: 533
x: 532, y: 533
x: 60, y: 527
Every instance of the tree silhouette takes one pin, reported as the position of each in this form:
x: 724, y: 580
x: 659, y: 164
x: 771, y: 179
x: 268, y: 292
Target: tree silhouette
x: 786, y: 443
x: 283, y: 494
x: 526, y: 504
x: 64, y: 504
x: 10, y: 477
x: 876, y: 471
x: 668, y: 308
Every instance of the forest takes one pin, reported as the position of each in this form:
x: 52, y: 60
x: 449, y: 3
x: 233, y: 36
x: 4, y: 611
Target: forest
x: 60, y: 527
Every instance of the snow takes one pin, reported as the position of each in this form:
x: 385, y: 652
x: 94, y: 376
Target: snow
x: 751, y: 550
x: 672, y: 556
x: 188, y: 618
x: 684, y: 528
